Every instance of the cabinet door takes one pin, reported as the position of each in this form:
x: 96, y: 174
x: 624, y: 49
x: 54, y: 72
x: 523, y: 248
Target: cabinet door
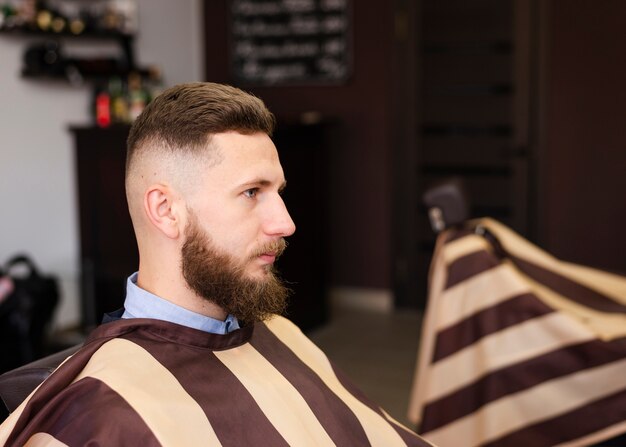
x: 108, y: 248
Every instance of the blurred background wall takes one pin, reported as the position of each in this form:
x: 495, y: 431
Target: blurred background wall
x: 38, y: 194
x: 523, y: 99
x: 361, y: 154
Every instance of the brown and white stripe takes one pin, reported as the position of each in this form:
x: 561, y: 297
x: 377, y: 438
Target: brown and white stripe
x: 143, y: 382
x: 519, y: 348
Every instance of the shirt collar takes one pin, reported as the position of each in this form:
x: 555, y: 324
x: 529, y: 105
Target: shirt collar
x: 140, y: 303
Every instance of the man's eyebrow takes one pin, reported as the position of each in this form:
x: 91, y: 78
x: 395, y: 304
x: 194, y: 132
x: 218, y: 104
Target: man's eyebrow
x: 263, y: 182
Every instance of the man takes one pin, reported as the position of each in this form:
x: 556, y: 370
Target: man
x: 198, y: 355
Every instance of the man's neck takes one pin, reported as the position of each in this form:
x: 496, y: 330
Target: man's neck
x: 176, y: 291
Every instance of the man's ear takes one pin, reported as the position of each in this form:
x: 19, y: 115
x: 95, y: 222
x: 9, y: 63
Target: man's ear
x: 163, y: 209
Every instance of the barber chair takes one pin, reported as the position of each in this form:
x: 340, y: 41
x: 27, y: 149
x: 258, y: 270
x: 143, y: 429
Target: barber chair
x: 518, y: 348
x: 17, y: 384
x: 447, y: 205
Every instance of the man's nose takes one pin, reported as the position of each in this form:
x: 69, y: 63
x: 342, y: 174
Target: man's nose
x: 280, y: 224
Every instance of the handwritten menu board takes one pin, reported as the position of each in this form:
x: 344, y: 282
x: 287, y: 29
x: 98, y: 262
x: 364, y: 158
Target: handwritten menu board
x: 278, y: 42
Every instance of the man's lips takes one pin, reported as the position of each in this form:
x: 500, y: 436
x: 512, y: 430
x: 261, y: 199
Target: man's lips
x: 268, y: 258
x: 268, y: 253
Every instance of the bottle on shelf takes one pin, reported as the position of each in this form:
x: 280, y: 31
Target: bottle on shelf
x: 119, y: 101
x: 50, y: 19
x: 77, y: 25
x: 70, y: 16
x: 7, y: 16
x: 43, y: 19
x: 126, y: 11
x: 111, y: 20
x: 102, y: 108
x: 58, y: 24
x: 17, y: 14
x: 137, y: 95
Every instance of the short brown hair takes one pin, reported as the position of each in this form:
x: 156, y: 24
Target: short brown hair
x: 184, y: 117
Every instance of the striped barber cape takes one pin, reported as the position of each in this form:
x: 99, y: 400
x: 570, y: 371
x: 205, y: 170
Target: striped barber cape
x: 518, y: 348
x: 143, y: 382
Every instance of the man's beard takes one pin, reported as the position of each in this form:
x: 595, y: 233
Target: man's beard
x: 218, y: 278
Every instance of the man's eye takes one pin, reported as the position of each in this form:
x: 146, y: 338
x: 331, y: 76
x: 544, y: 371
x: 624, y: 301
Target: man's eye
x: 251, y: 193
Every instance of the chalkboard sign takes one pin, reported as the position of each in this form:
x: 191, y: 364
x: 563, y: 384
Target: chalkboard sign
x: 278, y: 42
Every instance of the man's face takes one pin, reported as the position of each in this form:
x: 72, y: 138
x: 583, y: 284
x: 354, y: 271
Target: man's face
x: 237, y: 220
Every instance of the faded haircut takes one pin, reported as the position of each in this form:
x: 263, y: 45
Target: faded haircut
x: 182, y: 119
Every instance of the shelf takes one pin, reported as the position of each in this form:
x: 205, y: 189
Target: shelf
x: 97, y: 34
x: 78, y: 71
x: 83, y: 78
x: 86, y: 77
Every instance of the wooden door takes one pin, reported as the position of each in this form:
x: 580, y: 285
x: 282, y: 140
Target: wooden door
x: 471, y: 65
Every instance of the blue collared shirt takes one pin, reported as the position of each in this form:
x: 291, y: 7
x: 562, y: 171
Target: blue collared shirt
x: 140, y: 303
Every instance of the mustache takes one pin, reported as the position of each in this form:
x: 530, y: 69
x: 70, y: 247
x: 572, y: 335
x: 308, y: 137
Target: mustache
x: 276, y: 247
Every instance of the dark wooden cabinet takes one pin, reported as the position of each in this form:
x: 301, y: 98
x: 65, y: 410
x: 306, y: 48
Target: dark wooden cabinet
x: 107, y: 241
x: 108, y: 247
